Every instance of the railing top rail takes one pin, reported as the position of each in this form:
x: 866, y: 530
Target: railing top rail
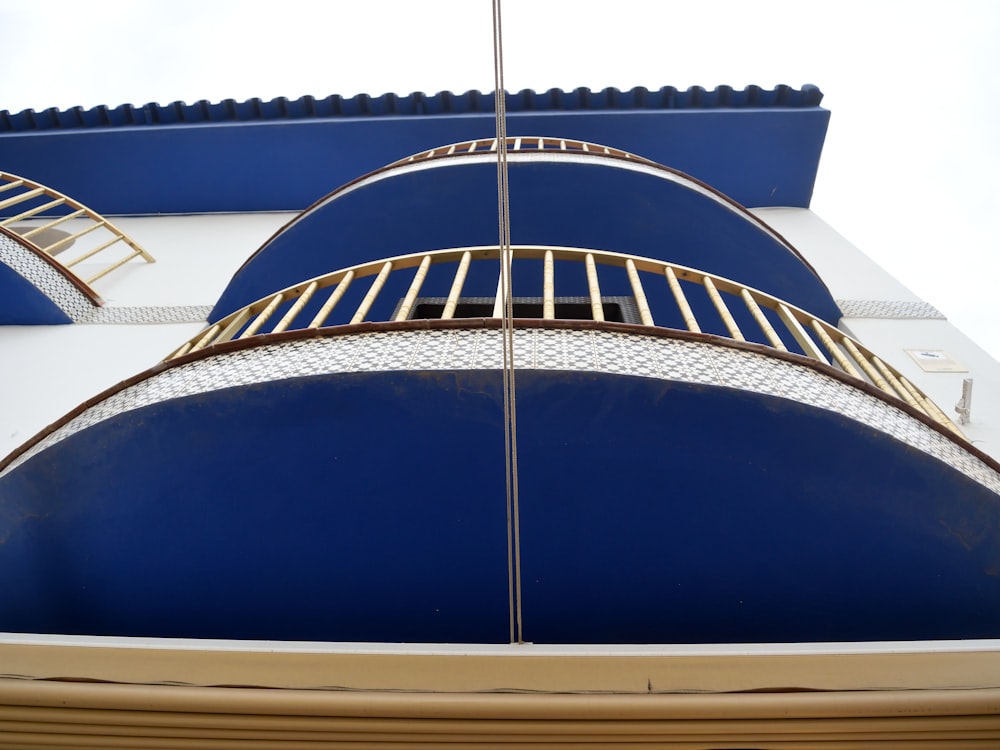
x: 524, y: 144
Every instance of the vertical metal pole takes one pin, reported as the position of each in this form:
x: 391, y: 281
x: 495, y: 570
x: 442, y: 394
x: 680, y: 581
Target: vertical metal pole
x: 507, y: 326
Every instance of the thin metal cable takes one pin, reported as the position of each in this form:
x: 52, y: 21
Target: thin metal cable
x: 507, y: 328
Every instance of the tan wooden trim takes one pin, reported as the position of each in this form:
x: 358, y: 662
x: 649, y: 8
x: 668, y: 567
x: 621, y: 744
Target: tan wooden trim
x: 594, y: 287
x: 639, y: 670
x: 116, y: 697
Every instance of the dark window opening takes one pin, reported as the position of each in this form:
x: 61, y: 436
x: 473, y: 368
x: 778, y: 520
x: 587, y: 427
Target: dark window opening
x: 616, y: 309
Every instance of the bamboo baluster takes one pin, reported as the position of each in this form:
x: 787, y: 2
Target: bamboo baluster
x: 720, y: 306
x: 262, y: 317
x: 414, y: 290
x: 456, y: 286
x: 296, y: 308
x: 332, y: 300
x: 679, y: 297
x: 596, y: 305
x: 639, y: 293
x: 762, y: 321
x: 373, y: 290
x: 799, y: 334
x: 548, y: 288
x: 831, y: 346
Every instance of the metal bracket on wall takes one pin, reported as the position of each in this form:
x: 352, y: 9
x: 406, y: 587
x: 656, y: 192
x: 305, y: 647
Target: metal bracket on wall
x: 964, y: 405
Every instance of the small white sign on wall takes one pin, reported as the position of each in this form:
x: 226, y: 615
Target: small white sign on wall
x: 935, y: 360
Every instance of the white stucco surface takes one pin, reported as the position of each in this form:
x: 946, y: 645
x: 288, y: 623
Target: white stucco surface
x: 48, y: 370
x: 196, y: 256
x: 847, y: 272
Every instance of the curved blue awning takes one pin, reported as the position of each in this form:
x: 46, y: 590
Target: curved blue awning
x: 594, y: 203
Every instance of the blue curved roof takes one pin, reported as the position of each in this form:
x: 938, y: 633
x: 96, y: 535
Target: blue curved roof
x: 759, y: 146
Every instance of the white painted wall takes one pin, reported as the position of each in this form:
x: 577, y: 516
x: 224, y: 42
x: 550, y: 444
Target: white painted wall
x: 847, y: 272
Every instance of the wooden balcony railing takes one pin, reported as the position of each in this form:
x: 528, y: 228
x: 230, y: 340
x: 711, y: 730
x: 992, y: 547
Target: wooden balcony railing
x: 523, y: 144
x: 50, y: 213
x: 687, y: 299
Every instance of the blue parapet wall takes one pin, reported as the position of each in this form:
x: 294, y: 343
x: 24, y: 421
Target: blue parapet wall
x: 761, y: 148
x: 371, y: 507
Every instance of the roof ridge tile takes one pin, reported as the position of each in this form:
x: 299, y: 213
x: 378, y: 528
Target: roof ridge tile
x: 416, y: 104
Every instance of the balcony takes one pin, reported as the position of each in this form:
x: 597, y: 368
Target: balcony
x: 763, y: 319
x: 322, y: 465
x: 41, y: 280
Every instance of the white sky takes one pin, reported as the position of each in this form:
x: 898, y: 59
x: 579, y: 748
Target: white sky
x: 909, y: 165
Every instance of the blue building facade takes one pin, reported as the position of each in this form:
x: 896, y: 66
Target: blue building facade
x: 704, y: 457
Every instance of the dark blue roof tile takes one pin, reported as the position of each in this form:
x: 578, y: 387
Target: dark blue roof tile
x: 415, y: 104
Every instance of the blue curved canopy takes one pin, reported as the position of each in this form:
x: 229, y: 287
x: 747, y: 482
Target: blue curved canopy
x: 600, y: 205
